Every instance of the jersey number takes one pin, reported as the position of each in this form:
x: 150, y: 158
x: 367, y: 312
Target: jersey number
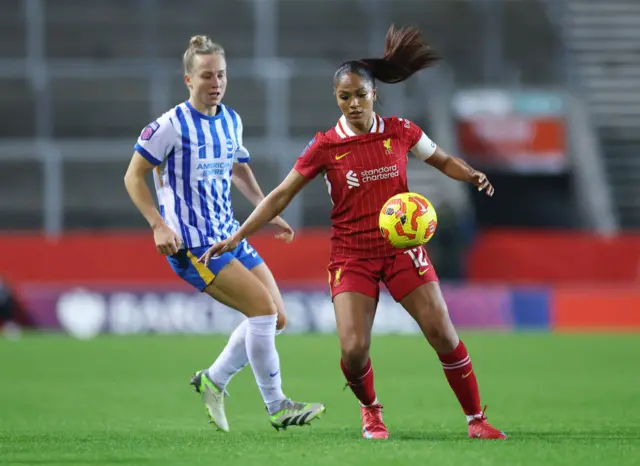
x: 418, y: 256
x: 248, y: 249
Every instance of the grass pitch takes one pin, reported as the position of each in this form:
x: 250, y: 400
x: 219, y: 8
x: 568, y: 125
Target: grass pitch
x: 562, y: 399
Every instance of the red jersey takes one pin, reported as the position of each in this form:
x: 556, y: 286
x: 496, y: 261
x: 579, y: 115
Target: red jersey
x: 362, y: 173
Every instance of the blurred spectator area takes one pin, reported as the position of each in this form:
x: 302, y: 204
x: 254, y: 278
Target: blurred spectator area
x: 92, y: 74
x: 120, y: 32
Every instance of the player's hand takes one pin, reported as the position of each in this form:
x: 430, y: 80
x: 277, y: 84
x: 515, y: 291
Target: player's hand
x: 480, y: 181
x: 226, y: 245
x: 167, y: 242
x: 287, y: 232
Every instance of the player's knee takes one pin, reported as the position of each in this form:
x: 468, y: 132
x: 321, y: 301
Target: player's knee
x: 433, y: 318
x: 436, y: 335
x: 441, y: 333
x: 267, y: 308
x: 261, y: 305
x: 355, y: 352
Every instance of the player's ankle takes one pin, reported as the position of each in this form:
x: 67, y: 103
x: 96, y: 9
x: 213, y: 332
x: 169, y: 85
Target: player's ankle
x: 474, y: 417
x: 374, y: 403
x: 275, y: 406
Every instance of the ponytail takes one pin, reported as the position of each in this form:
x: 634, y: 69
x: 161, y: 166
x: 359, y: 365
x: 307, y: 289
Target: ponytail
x: 405, y: 53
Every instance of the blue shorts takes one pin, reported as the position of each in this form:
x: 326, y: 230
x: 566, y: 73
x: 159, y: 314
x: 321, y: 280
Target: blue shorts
x: 185, y: 263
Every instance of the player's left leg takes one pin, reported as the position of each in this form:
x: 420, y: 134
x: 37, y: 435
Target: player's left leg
x: 412, y: 282
x: 233, y: 357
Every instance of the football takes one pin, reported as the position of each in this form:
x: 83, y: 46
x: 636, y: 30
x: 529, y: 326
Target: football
x: 407, y: 220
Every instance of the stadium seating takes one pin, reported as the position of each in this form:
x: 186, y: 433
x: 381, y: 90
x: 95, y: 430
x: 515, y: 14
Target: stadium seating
x: 110, y: 105
x: 13, y: 43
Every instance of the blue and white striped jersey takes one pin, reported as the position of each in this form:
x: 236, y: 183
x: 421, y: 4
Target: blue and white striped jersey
x: 194, y: 155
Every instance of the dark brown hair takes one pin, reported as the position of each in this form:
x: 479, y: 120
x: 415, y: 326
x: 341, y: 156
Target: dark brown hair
x: 405, y: 53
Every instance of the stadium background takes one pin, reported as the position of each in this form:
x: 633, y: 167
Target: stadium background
x: 543, y: 101
x: 542, y: 95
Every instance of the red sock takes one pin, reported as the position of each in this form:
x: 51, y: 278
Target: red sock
x: 361, y: 383
x: 462, y: 380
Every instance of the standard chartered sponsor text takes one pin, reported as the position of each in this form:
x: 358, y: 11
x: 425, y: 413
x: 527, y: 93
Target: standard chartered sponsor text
x: 381, y: 173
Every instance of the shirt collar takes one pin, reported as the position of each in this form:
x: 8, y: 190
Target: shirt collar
x: 343, y: 130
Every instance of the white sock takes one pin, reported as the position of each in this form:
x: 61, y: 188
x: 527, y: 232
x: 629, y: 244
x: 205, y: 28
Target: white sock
x: 232, y: 359
x: 264, y: 358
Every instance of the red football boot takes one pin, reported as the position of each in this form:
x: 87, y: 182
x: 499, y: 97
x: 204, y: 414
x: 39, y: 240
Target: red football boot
x: 480, y: 428
x: 372, y: 424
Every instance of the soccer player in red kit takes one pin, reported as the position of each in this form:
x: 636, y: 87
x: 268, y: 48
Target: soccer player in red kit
x: 364, y: 160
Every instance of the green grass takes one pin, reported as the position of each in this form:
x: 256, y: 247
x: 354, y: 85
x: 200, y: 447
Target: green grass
x: 563, y: 399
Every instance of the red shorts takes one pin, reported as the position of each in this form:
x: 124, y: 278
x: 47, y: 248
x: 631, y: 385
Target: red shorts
x: 401, y: 274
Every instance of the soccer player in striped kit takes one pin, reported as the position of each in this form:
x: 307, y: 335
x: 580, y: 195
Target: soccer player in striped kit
x: 195, y: 151
x: 364, y: 161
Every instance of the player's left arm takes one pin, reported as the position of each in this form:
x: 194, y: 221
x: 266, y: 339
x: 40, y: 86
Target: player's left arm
x: 454, y: 167
x: 458, y: 169
x: 243, y: 178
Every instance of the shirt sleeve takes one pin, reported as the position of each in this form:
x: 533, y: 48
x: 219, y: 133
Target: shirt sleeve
x: 311, y: 161
x: 425, y: 147
x: 419, y: 143
x: 156, y: 141
x: 242, y: 154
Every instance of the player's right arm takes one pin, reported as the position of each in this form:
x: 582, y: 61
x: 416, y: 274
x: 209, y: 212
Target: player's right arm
x: 307, y: 167
x: 146, y: 157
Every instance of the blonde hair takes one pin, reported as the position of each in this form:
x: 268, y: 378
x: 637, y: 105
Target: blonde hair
x: 199, y: 45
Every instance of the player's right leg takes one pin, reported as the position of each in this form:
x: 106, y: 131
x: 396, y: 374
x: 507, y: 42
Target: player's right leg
x: 355, y: 293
